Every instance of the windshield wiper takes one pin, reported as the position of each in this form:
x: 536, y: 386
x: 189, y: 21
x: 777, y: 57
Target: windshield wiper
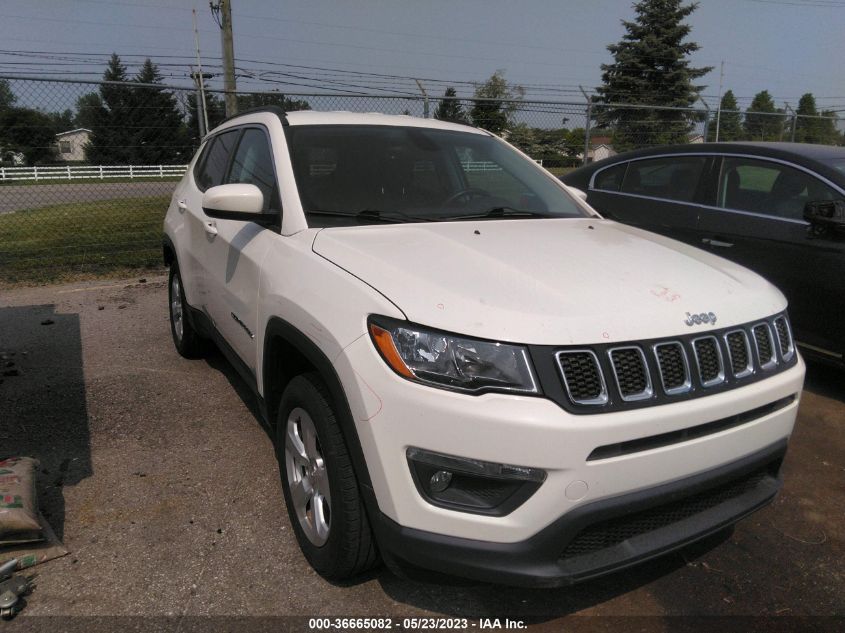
x: 376, y: 215
x: 498, y: 212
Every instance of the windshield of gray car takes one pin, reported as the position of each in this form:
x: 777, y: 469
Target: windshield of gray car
x: 365, y: 174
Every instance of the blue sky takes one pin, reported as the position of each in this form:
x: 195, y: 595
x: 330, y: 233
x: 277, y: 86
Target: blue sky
x: 785, y: 46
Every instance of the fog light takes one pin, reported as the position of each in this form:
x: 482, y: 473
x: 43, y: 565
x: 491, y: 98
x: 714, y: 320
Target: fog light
x: 440, y: 481
x: 471, y: 485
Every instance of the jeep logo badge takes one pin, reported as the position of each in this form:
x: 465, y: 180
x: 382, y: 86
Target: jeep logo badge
x: 698, y: 319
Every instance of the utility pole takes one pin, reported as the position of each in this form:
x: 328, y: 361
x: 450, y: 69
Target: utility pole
x: 202, y: 110
x: 588, y: 115
x: 425, y: 98
x: 719, y: 111
x: 706, y: 117
x: 222, y: 12
x: 787, y: 108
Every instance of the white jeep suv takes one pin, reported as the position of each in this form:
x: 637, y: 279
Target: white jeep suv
x: 464, y: 367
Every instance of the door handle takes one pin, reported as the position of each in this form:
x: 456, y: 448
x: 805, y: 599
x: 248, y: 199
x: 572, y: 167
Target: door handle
x: 718, y: 243
x: 182, y: 205
x: 210, y: 227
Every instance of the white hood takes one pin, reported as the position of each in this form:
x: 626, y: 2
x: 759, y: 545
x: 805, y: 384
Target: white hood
x: 548, y: 282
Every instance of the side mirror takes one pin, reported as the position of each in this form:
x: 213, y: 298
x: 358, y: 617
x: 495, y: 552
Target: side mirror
x: 826, y: 215
x: 234, y: 202
x: 577, y: 192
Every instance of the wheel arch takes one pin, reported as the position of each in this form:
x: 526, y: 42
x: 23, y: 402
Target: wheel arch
x: 168, y: 251
x: 287, y: 353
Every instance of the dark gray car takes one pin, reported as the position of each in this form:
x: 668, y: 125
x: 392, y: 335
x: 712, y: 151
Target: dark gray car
x: 776, y: 208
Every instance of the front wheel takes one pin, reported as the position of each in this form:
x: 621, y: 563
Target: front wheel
x: 185, y: 338
x: 319, y: 483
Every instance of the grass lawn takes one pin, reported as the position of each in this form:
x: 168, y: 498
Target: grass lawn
x: 81, y: 240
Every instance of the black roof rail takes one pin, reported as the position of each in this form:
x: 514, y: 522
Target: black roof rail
x: 272, y: 109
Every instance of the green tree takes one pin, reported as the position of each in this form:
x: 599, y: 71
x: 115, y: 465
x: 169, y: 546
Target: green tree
x: 159, y: 135
x: 807, y: 125
x: 730, y: 127
x: 29, y: 132
x: 216, y: 113
x: 494, y: 103
x: 262, y: 99
x: 62, y: 121
x: 450, y: 108
x: 89, y: 111
x: 7, y: 97
x: 828, y: 128
x: 112, y: 125
x: 763, y: 121
x: 651, y: 66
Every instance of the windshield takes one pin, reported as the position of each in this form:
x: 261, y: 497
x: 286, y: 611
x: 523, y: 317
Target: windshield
x: 363, y: 174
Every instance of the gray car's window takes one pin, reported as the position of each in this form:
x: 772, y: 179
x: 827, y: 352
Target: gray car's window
x: 610, y: 178
x: 668, y: 177
x: 214, y: 166
x: 253, y: 164
x: 759, y: 186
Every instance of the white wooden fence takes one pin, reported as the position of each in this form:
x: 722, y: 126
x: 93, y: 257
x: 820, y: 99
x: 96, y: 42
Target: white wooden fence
x: 91, y: 172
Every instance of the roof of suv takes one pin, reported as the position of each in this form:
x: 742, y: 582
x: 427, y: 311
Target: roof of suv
x: 311, y: 117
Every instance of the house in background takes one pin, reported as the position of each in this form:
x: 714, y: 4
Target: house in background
x: 70, y: 145
x: 600, y: 148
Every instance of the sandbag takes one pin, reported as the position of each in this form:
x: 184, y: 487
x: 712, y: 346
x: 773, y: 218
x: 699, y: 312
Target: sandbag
x: 18, y: 508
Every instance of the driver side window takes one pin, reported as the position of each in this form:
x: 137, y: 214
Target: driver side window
x: 769, y: 188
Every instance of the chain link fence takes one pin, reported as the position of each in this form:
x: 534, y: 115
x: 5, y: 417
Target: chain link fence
x: 87, y: 168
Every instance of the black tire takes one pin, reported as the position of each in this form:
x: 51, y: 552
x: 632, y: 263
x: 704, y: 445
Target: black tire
x: 189, y: 344
x: 349, y: 549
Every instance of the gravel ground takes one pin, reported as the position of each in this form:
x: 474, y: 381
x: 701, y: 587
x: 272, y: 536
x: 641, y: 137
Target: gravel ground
x: 160, y: 480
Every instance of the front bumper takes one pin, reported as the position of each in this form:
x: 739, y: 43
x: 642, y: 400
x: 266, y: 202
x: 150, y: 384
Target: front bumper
x: 392, y: 415
x: 600, y: 537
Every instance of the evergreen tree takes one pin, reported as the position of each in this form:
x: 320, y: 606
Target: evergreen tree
x: 494, y: 103
x: 216, y: 113
x: 89, y: 111
x: 651, y: 67
x: 7, y: 97
x: 159, y: 134
x: 828, y: 130
x: 29, y: 132
x: 259, y: 100
x: 112, y: 124
x: 450, y: 108
x: 730, y: 127
x: 763, y: 121
x: 807, y: 126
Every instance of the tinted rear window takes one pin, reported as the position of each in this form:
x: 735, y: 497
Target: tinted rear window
x: 669, y: 177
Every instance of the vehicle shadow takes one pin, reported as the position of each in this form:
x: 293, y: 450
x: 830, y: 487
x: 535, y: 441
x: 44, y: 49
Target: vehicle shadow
x: 43, y: 411
x: 215, y: 359
x: 460, y: 598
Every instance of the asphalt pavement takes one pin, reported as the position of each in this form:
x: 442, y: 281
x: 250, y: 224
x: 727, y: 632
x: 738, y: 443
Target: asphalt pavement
x: 18, y: 197
x: 164, y: 486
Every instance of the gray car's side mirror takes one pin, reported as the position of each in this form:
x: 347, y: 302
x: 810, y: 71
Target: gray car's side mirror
x: 234, y: 202
x: 826, y: 215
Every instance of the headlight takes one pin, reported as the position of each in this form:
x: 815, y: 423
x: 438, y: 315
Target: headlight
x: 445, y: 360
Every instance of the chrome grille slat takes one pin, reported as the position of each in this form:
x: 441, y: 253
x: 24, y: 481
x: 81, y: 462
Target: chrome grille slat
x: 739, y: 353
x: 582, y: 376
x: 631, y: 373
x: 764, y: 345
x: 786, y: 344
x: 674, y: 367
x: 708, y: 359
